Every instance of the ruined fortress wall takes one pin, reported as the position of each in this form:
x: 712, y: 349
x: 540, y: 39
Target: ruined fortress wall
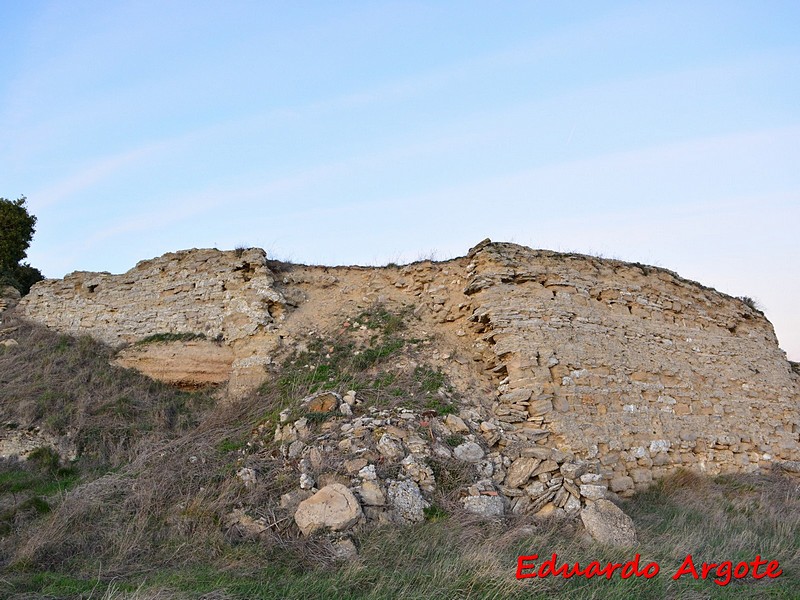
x: 627, y: 367
x: 226, y: 295
x: 631, y: 365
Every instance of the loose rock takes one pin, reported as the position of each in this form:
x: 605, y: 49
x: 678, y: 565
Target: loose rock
x: 333, y: 507
x: 607, y: 524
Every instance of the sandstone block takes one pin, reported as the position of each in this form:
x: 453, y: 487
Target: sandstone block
x: 608, y: 524
x: 333, y: 507
x: 407, y: 501
x: 621, y: 483
x: 516, y: 396
x: 572, y: 470
x: 371, y: 494
x: 540, y: 406
x: 641, y: 475
x: 468, y: 452
x: 546, y: 466
x: 520, y: 471
x: 322, y: 402
x: 536, y: 452
x: 456, y: 424
x: 485, y: 506
x: 389, y: 447
x: 593, y: 492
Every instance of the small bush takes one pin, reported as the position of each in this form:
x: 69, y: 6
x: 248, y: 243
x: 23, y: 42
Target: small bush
x: 371, y: 356
x: 230, y: 445
x: 750, y: 302
x: 378, y: 316
x: 44, y: 459
x: 320, y: 417
x: 434, y: 513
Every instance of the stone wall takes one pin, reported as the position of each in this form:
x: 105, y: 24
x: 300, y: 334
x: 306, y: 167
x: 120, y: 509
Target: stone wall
x: 630, y: 365
x: 626, y: 368
x: 227, y: 295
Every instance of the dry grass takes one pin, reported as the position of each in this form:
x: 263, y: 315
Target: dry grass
x: 154, y: 526
x: 63, y: 384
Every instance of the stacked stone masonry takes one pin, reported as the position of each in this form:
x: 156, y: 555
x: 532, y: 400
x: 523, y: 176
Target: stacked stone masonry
x: 631, y: 365
x: 226, y: 295
x: 586, y: 371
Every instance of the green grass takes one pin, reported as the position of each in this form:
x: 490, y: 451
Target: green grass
x: 375, y: 354
x: 320, y: 417
x: 345, y: 361
x: 429, y: 380
x: 458, y: 557
x: 454, y: 440
x: 18, y: 480
x: 378, y: 316
x: 230, y: 445
x: 27, y: 488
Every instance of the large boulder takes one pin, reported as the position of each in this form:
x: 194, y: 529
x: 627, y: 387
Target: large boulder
x: 607, y: 524
x: 333, y: 507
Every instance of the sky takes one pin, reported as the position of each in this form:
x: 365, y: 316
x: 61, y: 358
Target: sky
x: 665, y: 133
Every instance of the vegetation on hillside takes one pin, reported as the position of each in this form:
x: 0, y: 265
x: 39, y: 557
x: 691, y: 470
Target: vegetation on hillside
x: 142, y: 512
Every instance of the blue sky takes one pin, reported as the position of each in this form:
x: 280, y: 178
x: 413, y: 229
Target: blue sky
x: 371, y: 132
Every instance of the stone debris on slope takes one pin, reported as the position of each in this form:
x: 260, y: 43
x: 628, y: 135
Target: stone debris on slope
x: 386, y: 462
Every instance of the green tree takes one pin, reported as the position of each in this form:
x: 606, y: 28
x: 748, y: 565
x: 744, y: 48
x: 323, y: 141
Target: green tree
x: 17, y: 227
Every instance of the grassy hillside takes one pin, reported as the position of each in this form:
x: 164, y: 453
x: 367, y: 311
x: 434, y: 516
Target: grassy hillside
x: 143, y: 510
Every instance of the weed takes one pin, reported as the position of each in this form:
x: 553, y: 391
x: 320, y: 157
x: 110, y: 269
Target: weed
x: 434, y: 512
x: 429, y: 380
x: 62, y: 344
x: 451, y: 477
x: 454, y: 440
x: 383, y: 380
x: 371, y: 356
x: 35, y: 504
x: 439, y: 406
x: 44, y: 459
x: 229, y: 445
x: 378, y: 316
x: 320, y: 417
x: 751, y: 303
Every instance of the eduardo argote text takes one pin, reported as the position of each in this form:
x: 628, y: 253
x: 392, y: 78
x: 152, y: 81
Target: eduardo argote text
x: 722, y: 573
